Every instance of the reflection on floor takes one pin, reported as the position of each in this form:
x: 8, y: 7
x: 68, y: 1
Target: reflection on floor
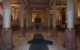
x: 26, y: 43
x: 39, y: 43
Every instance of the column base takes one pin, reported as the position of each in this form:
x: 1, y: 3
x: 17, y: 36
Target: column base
x: 22, y: 32
x: 6, y: 36
x: 53, y: 32
x: 70, y: 39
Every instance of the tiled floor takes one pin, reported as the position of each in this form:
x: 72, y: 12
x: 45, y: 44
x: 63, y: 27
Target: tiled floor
x: 21, y: 42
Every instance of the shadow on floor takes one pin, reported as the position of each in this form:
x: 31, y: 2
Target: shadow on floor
x: 39, y: 43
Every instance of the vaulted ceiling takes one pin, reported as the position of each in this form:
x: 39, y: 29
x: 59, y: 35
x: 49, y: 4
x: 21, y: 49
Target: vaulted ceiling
x: 37, y: 4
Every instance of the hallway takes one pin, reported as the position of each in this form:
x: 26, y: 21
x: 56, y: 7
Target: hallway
x: 57, y: 24
x: 21, y: 43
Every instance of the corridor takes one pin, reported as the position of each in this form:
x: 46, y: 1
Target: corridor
x: 39, y: 24
x: 21, y: 43
x: 56, y: 43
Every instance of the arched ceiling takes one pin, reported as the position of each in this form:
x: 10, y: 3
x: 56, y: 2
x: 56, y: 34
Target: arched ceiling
x: 37, y: 4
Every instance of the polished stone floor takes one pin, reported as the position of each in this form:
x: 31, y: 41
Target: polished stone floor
x: 21, y: 43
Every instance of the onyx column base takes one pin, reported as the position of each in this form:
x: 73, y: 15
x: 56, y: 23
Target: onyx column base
x: 53, y: 32
x: 70, y: 39
x: 6, y: 36
x: 22, y: 32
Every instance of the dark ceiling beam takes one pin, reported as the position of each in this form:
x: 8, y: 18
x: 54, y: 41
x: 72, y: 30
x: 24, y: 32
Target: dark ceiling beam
x: 35, y: 5
x: 57, y: 6
x: 38, y: 1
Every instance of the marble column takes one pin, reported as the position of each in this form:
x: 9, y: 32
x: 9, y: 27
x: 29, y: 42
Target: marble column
x: 13, y: 13
x: 30, y: 18
x: 27, y: 19
x: 54, y: 14
x: 44, y: 16
x: 70, y: 39
x: 48, y: 17
x: 22, y: 18
x: 16, y: 15
x: 17, y: 19
x: 6, y: 33
x: 53, y: 30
